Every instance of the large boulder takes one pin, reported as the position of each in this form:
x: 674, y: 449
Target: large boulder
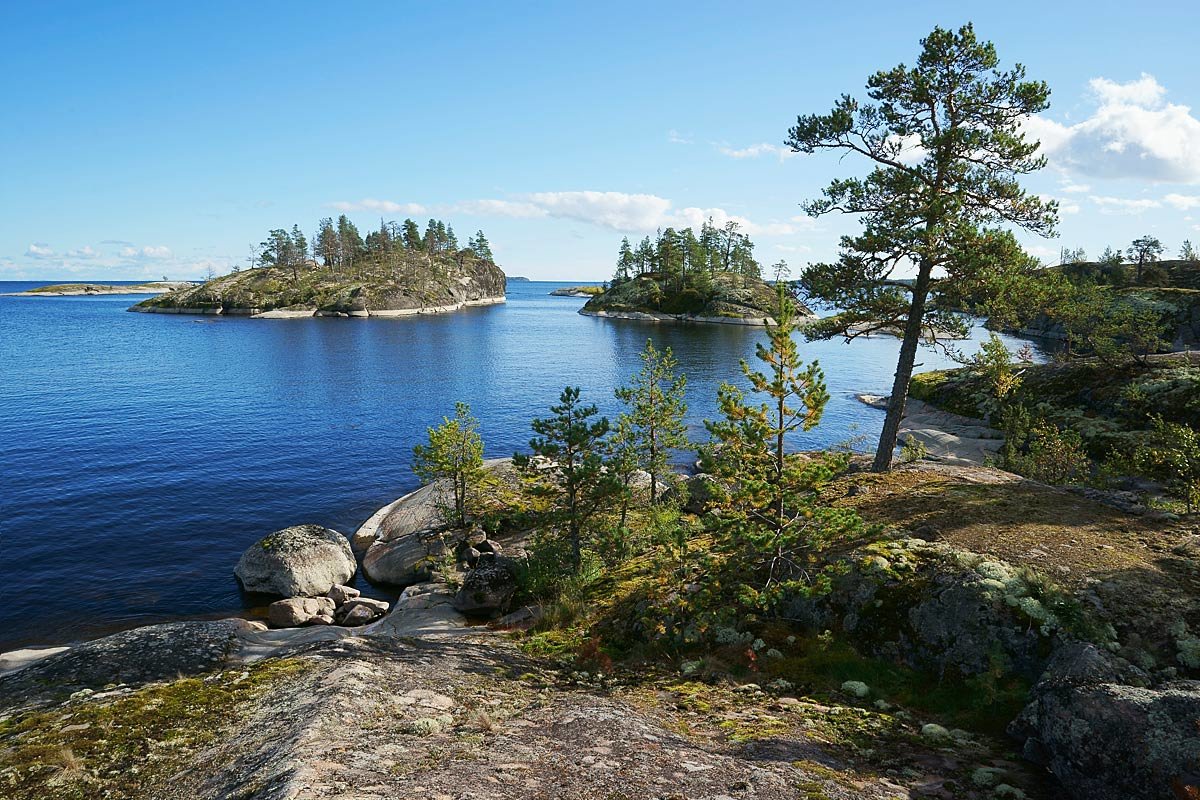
x: 295, y: 611
x: 304, y: 560
x: 406, y: 559
x: 487, y: 588
x: 934, y: 609
x: 1105, y: 739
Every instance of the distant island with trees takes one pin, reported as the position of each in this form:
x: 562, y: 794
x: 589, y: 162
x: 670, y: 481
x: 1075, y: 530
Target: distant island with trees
x: 395, y: 270
x: 679, y: 275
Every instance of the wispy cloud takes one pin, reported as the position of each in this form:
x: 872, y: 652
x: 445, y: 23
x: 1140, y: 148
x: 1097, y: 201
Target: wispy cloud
x: 40, y: 250
x: 620, y: 211
x: 1124, y: 205
x: 384, y: 206
x: 675, y: 137
x: 1183, y: 202
x: 757, y: 151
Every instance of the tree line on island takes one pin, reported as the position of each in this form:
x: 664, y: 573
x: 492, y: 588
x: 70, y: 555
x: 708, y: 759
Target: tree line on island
x: 338, y: 246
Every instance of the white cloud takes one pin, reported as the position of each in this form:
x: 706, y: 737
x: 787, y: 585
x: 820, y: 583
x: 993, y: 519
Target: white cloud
x: 157, y: 253
x: 1183, y: 202
x: 620, y: 211
x: 499, y: 208
x: 1075, y: 188
x: 385, y: 206
x: 1123, y: 205
x: 40, y: 250
x: 1145, y: 91
x: 756, y: 150
x: 1064, y: 206
x: 87, y: 251
x: 1133, y: 133
x: 675, y: 137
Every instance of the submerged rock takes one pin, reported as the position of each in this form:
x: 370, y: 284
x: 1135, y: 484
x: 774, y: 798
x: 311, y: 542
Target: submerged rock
x: 303, y: 560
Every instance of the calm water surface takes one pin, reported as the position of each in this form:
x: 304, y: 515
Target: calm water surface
x: 141, y: 453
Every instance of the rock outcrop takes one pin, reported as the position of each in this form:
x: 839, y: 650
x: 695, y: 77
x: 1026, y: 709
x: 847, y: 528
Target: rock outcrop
x: 424, y: 288
x: 488, y: 587
x: 1094, y: 723
x: 301, y: 561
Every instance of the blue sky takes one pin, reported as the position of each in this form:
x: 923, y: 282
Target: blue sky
x: 147, y: 139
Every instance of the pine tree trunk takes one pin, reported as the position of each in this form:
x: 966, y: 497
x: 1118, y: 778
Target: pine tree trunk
x: 904, y: 368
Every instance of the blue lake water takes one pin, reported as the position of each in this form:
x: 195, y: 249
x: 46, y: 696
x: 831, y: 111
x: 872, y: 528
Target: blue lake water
x: 140, y: 454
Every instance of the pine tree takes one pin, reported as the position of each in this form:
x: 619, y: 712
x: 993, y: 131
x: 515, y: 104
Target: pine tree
x: 655, y: 399
x: 575, y: 442
x: 454, y: 453
x: 481, y: 247
x: 962, y: 116
x: 299, y: 245
x: 350, y: 243
x: 412, y: 235
x: 327, y: 245
x: 625, y: 261
x: 772, y: 525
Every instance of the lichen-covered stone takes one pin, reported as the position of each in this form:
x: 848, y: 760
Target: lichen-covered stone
x: 301, y: 561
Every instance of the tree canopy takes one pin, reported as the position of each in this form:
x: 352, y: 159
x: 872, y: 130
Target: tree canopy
x: 947, y: 151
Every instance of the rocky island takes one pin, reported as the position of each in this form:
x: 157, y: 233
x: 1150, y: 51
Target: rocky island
x: 682, y: 277
x: 394, y: 272
x: 578, y: 291
x: 82, y: 289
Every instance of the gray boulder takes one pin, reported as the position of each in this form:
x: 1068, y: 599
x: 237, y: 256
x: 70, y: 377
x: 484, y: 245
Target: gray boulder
x: 304, y: 560
x: 342, y: 594
x: 1107, y: 740
x: 296, y: 611
x: 488, y: 587
x: 702, y: 492
x: 406, y: 559
x: 135, y: 657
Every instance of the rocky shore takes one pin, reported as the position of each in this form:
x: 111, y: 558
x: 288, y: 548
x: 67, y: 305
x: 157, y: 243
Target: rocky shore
x: 82, y: 289
x: 1078, y: 611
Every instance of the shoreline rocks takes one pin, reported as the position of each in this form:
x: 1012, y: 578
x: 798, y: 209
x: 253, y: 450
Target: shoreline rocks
x: 303, y: 560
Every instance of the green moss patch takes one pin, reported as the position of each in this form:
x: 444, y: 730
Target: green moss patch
x: 126, y: 745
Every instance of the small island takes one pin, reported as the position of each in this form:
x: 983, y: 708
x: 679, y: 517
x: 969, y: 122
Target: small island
x: 84, y: 289
x: 395, y: 271
x: 682, y: 277
x: 578, y: 291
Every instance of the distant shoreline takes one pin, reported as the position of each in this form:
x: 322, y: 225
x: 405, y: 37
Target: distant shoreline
x: 89, y: 289
x: 304, y: 313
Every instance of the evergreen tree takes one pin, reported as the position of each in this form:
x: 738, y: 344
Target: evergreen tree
x: 655, y: 399
x: 431, y: 236
x: 645, y: 256
x: 481, y: 247
x: 412, y: 235
x: 575, y: 442
x: 965, y: 115
x: 327, y: 245
x: 625, y: 261
x: 1188, y: 253
x: 299, y: 246
x: 454, y: 453
x: 771, y: 525
x: 1144, y: 250
x: 350, y: 243
x: 451, y: 240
